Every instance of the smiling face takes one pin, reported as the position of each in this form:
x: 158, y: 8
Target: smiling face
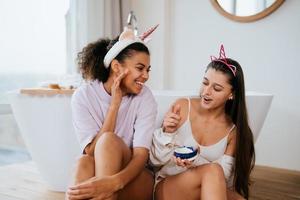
x: 215, y: 89
x: 138, y: 66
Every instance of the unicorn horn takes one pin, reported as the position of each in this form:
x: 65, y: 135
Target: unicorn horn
x: 147, y: 33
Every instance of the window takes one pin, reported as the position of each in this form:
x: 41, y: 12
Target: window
x: 33, y: 42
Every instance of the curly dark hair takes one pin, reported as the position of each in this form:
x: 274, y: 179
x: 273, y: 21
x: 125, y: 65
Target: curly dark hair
x: 90, y: 59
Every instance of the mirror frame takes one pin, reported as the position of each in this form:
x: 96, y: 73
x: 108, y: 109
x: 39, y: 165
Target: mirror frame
x: 249, y: 18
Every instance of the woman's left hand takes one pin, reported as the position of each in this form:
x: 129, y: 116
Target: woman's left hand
x: 183, y: 162
x: 94, y: 188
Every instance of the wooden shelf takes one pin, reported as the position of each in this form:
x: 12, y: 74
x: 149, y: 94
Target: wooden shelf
x: 46, y: 91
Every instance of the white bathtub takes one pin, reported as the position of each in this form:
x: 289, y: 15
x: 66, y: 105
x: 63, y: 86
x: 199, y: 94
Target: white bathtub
x: 46, y: 126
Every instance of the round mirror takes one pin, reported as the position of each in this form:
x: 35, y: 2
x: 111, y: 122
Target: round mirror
x: 245, y: 10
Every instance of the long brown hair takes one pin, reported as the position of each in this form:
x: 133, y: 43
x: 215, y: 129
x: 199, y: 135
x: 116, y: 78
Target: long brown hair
x: 236, y: 109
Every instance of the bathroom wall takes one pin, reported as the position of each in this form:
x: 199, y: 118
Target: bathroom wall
x: 150, y: 13
x: 268, y: 50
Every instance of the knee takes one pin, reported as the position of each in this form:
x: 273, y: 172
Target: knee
x: 109, y: 139
x: 214, y: 171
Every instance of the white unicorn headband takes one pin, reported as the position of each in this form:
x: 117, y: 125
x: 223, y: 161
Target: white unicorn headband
x: 126, y: 38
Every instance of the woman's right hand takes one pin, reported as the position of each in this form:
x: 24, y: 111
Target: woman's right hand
x: 172, y: 119
x: 94, y: 188
x: 116, y: 92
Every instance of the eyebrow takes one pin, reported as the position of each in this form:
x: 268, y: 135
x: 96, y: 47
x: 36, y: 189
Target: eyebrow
x: 215, y: 83
x: 144, y: 65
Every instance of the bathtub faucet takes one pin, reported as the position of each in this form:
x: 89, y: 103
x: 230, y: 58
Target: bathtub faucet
x: 132, y: 22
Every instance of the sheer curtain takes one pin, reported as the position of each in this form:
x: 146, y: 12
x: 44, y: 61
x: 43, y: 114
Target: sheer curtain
x: 87, y: 21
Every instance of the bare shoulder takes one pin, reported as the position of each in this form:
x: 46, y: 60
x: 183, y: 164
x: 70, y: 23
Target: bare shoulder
x: 183, y: 102
x: 232, y: 136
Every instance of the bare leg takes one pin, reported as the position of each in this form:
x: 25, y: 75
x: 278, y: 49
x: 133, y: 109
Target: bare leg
x: 202, y: 182
x: 213, y: 183
x: 85, y: 169
x: 111, y: 156
x: 141, y: 188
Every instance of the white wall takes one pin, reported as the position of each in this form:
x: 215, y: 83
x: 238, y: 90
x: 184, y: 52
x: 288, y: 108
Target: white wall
x: 150, y: 13
x: 268, y: 51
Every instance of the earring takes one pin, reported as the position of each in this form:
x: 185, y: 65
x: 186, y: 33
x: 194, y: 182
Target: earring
x: 230, y: 98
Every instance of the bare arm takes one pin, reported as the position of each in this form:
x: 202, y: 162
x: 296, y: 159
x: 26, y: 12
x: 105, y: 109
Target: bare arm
x: 230, y: 149
x: 104, y: 187
x: 227, y: 160
x: 108, y: 126
x: 175, y: 116
x: 110, y: 119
